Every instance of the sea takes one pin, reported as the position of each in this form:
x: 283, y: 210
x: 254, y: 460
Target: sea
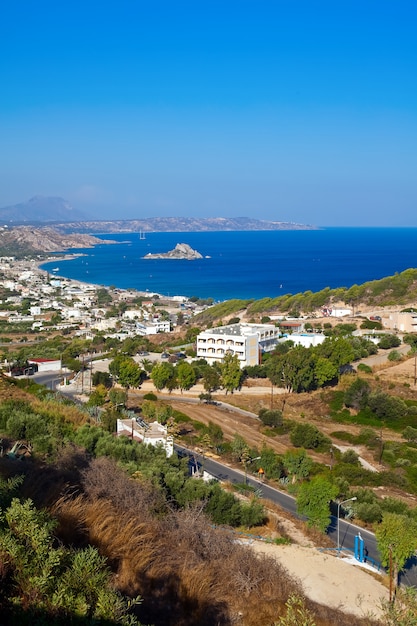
x: 244, y: 264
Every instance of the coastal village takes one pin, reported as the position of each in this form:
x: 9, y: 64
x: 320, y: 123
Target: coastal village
x: 77, y: 305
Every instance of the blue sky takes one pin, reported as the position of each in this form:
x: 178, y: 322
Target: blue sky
x: 293, y: 110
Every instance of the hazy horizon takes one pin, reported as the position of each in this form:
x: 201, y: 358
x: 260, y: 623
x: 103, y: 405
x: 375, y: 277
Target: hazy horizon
x: 297, y: 112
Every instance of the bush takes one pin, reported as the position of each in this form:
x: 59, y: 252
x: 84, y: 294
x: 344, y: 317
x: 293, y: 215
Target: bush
x: 356, y: 396
x: 387, y: 407
x: 389, y: 341
x: 394, y: 355
x: 366, y: 369
x: 350, y: 457
x: 369, y: 513
x: 410, y: 433
x: 307, y: 436
x: 270, y: 417
x: 150, y: 396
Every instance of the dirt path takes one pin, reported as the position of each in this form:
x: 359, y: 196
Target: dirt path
x: 329, y: 580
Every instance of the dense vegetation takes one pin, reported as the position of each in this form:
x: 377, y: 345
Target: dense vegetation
x: 83, y: 541
x: 398, y: 289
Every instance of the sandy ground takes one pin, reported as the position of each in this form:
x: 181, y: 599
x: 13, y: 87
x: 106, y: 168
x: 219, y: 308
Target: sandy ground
x: 328, y: 580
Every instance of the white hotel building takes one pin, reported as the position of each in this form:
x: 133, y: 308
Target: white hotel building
x: 247, y: 341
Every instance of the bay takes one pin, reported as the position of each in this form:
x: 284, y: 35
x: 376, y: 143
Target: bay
x: 246, y: 264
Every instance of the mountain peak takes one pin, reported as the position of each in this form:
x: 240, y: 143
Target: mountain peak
x: 41, y: 209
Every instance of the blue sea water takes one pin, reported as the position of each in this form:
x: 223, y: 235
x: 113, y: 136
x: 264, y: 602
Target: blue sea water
x: 249, y: 264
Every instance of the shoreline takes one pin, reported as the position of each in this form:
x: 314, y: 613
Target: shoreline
x: 75, y: 281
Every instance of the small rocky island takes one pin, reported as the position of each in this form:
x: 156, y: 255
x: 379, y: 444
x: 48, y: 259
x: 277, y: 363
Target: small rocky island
x: 181, y: 251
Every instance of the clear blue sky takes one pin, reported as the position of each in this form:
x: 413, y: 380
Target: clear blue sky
x: 294, y: 110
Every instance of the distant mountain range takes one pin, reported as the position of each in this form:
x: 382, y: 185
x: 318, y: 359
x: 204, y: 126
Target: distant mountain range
x: 59, y: 213
x: 41, y: 209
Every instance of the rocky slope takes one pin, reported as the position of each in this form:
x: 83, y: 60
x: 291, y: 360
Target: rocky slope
x: 25, y: 240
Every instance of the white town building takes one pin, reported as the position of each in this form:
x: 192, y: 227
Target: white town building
x: 246, y: 341
x: 154, y: 433
x: 307, y: 340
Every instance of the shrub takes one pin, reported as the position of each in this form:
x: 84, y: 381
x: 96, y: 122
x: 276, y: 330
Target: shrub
x: 366, y: 369
x: 389, y: 341
x: 150, y: 396
x: 270, y: 417
x: 369, y: 513
x: 387, y: 407
x: 350, y: 457
x: 410, y: 433
x: 356, y: 396
x: 306, y: 436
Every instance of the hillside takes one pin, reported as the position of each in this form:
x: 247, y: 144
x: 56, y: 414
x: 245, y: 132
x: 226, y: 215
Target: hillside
x: 400, y: 289
x: 24, y: 240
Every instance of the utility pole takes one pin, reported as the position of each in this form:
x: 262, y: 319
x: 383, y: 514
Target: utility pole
x: 82, y: 376
x: 390, y: 575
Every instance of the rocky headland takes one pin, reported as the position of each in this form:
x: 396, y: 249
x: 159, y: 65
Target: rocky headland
x: 28, y: 240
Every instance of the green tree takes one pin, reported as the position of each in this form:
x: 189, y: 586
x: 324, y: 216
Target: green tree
x: 387, y: 407
x: 117, y: 397
x: 102, y: 378
x: 306, y: 436
x: 294, y: 371
x: 324, y: 371
x: 297, y: 463
x: 270, y: 462
x: 186, y: 376
x: 356, y: 396
x: 130, y: 374
x: 396, y: 536
x: 231, y: 374
x: 114, y: 365
x: 337, y: 349
x: 98, y: 396
x: 239, y: 447
x: 411, y: 339
x: 211, y: 379
x: 162, y: 374
x: 313, y: 501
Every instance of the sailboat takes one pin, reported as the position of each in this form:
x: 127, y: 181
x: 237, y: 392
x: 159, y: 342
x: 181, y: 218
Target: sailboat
x: 142, y: 235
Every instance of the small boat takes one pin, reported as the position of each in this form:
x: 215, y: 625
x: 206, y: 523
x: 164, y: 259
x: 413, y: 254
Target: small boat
x: 56, y: 269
